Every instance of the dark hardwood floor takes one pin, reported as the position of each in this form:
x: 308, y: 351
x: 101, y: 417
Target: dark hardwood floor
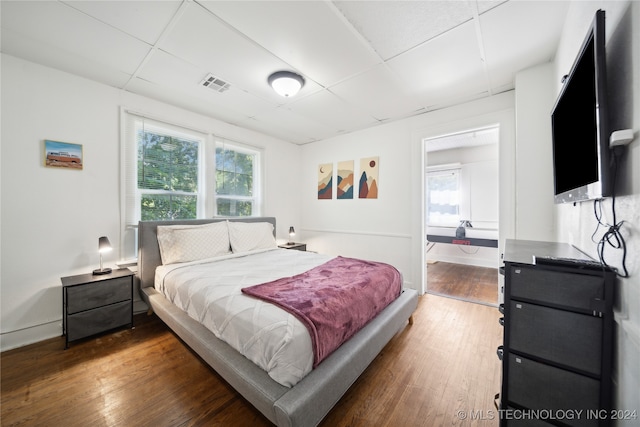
x: 440, y: 371
x: 465, y: 282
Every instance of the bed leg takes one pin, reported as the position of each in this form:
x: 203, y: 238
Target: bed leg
x: 411, y: 319
x: 149, y: 311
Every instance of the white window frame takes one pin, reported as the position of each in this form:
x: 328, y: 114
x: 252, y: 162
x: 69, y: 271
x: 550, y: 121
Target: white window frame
x: 200, y: 194
x: 256, y: 198
x: 206, y: 195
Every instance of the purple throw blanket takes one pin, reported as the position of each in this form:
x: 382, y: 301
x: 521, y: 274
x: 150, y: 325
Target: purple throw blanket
x: 334, y: 300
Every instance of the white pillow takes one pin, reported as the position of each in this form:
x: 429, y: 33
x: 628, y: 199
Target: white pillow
x: 184, y: 243
x: 250, y: 236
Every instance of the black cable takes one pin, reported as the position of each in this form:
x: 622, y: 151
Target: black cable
x: 612, y: 236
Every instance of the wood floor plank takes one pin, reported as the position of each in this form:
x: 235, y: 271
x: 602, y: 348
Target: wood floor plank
x: 431, y: 372
x: 466, y: 282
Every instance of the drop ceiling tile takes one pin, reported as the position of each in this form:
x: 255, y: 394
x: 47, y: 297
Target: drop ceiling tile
x: 287, y: 125
x: 179, y: 99
x: 203, y: 40
x: 261, y: 126
x: 144, y: 20
x: 378, y: 93
x: 327, y: 108
x: 435, y: 71
x: 485, y: 5
x: 57, y: 26
x: 393, y: 27
x: 277, y: 122
x: 513, y: 39
x: 330, y: 44
x: 162, y: 68
x: 165, y: 70
x: 60, y: 59
x: 308, y: 35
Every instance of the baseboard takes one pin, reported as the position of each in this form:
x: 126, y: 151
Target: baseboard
x: 30, y: 335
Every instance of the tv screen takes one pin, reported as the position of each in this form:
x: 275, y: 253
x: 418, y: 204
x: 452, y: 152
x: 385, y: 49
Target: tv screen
x: 580, y: 124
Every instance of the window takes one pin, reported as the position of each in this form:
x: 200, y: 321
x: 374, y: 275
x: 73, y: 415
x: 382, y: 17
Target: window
x: 236, y: 169
x: 170, y: 172
x: 443, y: 197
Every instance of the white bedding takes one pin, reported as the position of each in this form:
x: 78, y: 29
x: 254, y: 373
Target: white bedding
x: 210, y: 292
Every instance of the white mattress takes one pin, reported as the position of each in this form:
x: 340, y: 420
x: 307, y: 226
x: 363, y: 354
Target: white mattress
x: 210, y: 292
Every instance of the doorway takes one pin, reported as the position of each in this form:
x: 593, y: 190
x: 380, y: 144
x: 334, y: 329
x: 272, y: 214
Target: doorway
x: 461, y: 188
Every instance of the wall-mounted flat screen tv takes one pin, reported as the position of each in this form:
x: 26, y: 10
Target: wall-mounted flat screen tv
x: 580, y: 124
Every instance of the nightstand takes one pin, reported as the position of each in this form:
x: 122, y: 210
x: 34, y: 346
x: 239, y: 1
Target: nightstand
x: 295, y: 246
x: 92, y: 304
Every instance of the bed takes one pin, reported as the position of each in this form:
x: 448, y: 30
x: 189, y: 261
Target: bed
x: 304, y: 403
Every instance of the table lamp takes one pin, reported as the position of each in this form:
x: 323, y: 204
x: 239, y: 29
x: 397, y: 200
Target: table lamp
x: 103, y: 246
x: 292, y: 232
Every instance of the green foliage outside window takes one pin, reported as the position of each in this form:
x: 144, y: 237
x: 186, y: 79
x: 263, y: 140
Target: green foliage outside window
x: 234, y: 173
x: 234, y: 179
x: 168, y: 166
x: 168, y: 173
x: 158, y: 207
x: 230, y: 207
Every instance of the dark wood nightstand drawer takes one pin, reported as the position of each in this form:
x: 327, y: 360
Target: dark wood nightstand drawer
x: 83, y: 297
x: 98, y: 320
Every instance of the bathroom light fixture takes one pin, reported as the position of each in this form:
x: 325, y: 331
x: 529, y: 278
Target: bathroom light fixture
x: 286, y: 83
x: 292, y: 232
x: 103, y: 246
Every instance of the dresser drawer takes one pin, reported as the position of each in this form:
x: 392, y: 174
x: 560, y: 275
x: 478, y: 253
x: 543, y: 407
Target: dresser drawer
x: 514, y: 417
x: 98, y: 320
x: 574, y: 291
x: 563, y: 337
x: 86, y: 297
x: 538, y: 386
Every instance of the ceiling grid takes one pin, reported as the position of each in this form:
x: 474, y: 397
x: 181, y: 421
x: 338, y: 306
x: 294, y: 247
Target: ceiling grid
x: 364, y: 63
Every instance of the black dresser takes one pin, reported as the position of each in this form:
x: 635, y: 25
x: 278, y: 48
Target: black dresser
x: 557, y: 348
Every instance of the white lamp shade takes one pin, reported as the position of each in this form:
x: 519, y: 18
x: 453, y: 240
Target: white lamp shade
x: 286, y: 83
x: 103, y: 246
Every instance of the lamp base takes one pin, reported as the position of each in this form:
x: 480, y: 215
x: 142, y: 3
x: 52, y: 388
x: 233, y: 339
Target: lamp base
x: 102, y: 271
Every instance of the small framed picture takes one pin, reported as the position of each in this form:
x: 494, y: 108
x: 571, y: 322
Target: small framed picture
x: 62, y: 155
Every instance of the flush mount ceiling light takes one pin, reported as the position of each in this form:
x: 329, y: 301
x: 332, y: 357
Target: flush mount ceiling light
x: 286, y: 83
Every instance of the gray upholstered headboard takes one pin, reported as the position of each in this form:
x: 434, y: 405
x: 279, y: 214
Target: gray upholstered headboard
x: 149, y: 251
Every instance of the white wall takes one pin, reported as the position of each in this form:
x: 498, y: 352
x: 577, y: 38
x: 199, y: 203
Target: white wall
x: 535, y: 212
x: 576, y: 224
x: 390, y: 229
x: 52, y: 218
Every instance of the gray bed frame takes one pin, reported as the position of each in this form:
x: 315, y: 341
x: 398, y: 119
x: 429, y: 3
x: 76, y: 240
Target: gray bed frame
x: 302, y: 405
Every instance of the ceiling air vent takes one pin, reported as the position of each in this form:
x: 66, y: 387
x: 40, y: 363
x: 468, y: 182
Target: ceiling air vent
x: 212, y: 82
